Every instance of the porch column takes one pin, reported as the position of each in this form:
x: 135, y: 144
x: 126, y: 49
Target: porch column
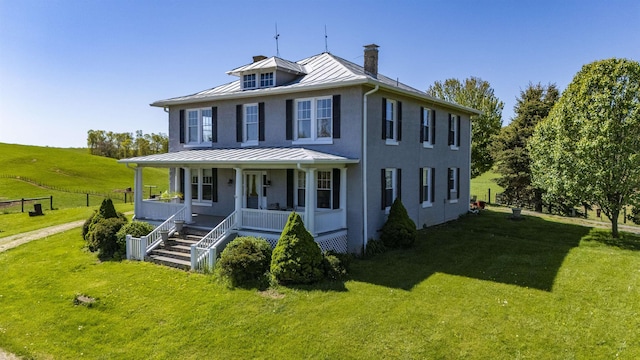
x: 343, y: 195
x: 137, y: 191
x: 187, y: 196
x: 176, y: 180
x: 238, y: 196
x: 310, y: 202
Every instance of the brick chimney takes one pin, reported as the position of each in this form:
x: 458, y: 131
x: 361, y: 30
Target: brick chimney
x: 371, y: 59
x: 258, y: 58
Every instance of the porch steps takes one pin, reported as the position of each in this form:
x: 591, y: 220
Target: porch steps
x: 178, y: 253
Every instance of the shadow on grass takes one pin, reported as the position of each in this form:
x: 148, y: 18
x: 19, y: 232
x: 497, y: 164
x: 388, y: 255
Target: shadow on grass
x: 489, y: 247
x: 626, y: 241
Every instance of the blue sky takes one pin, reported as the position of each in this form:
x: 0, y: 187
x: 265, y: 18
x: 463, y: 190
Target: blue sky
x: 70, y: 66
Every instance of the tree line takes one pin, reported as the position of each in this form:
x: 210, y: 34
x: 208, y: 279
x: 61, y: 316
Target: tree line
x: 561, y: 151
x: 125, y: 145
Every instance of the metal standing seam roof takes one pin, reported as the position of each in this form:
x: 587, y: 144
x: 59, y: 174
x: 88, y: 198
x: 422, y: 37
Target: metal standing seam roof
x: 270, y: 63
x: 322, y: 71
x: 248, y: 156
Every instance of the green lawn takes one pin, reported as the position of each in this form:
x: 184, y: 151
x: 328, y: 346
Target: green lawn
x: 481, y: 185
x: 482, y: 287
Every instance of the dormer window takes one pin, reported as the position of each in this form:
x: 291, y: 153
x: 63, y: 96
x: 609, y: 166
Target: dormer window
x: 266, y: 80
x: 249, y: 81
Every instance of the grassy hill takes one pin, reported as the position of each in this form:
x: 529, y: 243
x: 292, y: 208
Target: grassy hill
x: 34, y: 171
x: 480, y: 186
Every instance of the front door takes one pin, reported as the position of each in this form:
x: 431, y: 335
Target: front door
x: 253, y: 189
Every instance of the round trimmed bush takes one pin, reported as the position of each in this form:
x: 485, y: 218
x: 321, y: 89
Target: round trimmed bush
x: 399, y: 230
x: 336, y: 265
x: 103, y: 236
x: 135, y: 229
x: 297, y: 258
x: 245, y: 262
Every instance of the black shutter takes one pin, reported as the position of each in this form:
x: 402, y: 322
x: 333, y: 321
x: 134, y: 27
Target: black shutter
x: 420, y: 185
x: 290, y: 188
x: 239, y: 123
x: 214, y: 124
x: 336, y: 116
x: 457, y: 183
x: 433, y: 127
x: 449, y: 183
x: 182, y: 127
x: 214, y: 180
x: 261, y: 121
x: 433, y: 185
x: 450, y: 132
x: 399, y: 137
x: 458, y: 131
x: 289, y: 120
x: 384, y: 119
x: 336, y: 188
x: 399, y: 183
x: 383, y: 200
x: 422, y: 134
x: 181, y: 180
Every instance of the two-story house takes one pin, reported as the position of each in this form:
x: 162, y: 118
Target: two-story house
x: 332, y: 140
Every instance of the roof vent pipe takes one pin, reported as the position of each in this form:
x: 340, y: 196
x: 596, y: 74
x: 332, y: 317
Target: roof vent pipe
x: 371, y: 59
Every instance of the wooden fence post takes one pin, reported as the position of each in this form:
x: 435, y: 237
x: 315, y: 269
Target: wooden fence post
x: 22, y: 202
x: 87, y: 199
x: 51, y: 202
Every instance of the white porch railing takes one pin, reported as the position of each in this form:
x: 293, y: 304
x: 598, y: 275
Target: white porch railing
x: 158, y: 210
x: 138, y: 248
x: 204, y: 252
x: 329, y: 220
x: 266, y: 220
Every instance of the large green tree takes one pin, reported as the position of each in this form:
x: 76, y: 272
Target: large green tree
x: 510, y: 147
x: 589, y: 147
x: 478, y: 94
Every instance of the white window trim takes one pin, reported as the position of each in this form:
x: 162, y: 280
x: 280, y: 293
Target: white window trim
x: 245, y: 141
x: 454, y: 124
x: 314, y: 139
x: 454, y: 189
x: 394, y: 185
x: 428, y: 141
x: 256, y: 81
x: 199, y: 201
x: 324, y: 189
x: 200, y: 126
x: 259, y: 79
x: 296, y: 181
x: 426, y: 175
x: 394, y: 140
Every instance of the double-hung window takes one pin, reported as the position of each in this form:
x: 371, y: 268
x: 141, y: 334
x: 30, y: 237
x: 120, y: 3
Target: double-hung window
x: 313, y: 120
x: 390, y: 121
x: 390, y: 187
x: 426, y: 186
x: 249, y: 81
x: 204, y: 185
x: 427, y: 128
x: 454, y: 185
x: 199, y: 126
x: 302, y: 186
x: 323, y: 200
x: 250, y: 126
x: 454, y: 131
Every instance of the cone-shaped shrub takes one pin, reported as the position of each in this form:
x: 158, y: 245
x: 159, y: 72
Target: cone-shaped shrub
x: 399, y: 230
x: 297, y: 258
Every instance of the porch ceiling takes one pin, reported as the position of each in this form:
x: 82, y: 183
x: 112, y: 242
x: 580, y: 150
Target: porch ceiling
x: 232, y: 157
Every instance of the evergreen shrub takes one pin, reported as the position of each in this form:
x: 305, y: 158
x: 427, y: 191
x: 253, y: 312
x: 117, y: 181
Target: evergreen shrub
x: 297, y: 258
x: 399, y: 230
x: 135, y: 229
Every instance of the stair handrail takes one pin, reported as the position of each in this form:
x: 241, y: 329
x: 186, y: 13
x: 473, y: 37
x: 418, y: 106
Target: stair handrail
x: 201, y: 249
x: 154, y: 239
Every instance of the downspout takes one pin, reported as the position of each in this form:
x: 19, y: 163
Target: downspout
x: 365, y: 207
x: 470, y: 154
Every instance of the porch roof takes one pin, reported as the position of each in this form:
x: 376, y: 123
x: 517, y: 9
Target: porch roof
x: 231, y: 157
